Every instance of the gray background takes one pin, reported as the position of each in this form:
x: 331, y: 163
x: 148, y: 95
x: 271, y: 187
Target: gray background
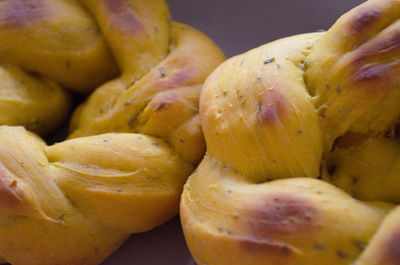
x: 240, y: 25
x: 236, y: 25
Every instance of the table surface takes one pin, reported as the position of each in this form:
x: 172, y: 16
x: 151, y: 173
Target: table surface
x: 236, y: 26
x: 161, y: 246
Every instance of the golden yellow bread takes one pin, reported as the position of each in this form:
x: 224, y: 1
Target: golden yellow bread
x: 302, y: 163
x: 46, y: 44
x: 163, y: 65
x: 75, y: 202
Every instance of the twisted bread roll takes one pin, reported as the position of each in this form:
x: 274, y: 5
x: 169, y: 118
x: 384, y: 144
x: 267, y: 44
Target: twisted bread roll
x: 163, y: 66
x: 285, y: 121
x: 45, y: 44
x: 77, y: 201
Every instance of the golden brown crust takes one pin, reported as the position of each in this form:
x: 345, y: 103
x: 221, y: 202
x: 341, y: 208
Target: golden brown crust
x: 302, y: 134
x: 283, y: 214
x: 135, y: 140
x: 272, y: 106
x: 22, y: 13
x: 123, y: 17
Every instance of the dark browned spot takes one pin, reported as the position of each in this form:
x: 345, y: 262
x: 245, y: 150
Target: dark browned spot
x: 183, y: 77
x: 363, y: 20
x: 375, y: 73
x: 22, y: 12
x: 271, y: 107
x: 390, y: 249
x: 123, y: 16
x: 371, y: 71
x: 383, y: 45
x: 275, y: 217
x: 281, y: 215
x: 387, y: 45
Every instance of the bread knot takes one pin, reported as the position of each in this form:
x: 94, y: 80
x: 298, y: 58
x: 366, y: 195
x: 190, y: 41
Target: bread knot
x: 133, y: 142
x: 302, y: 159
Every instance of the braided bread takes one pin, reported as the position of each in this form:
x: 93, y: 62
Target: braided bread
x: 133, y: 142
x: 302, y: 158
x: 45, y: 44
x: 154, y: 95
